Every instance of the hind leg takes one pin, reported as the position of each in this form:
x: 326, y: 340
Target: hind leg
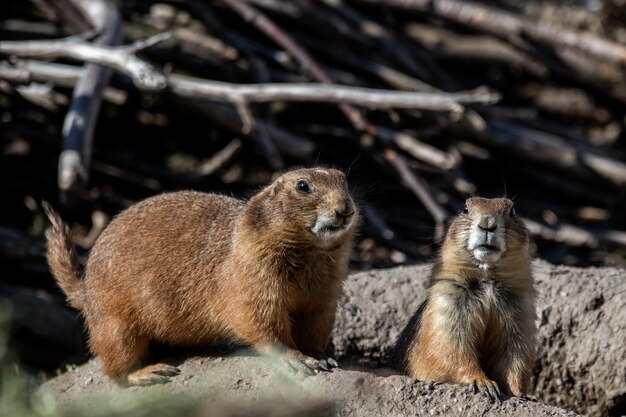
x: 120, y: 351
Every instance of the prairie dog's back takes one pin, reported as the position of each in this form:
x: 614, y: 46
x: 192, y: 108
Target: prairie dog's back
x: 156, y: 255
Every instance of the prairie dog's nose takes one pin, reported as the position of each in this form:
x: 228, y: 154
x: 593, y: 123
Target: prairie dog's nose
x: 488, y: 224
x: 345, y: 208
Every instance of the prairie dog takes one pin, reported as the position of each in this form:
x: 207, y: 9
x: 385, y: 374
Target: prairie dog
x: 190, y: 268
x: 477, y: 325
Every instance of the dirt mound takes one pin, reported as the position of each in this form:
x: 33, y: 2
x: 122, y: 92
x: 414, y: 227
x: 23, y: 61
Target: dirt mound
x: 580, y: 366
x: 242, y: 380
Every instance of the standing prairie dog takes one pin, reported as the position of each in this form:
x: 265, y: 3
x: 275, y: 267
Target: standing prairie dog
x: 190, y: 268
x: 477, y: 325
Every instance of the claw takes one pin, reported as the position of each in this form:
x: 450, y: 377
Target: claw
x: 306, y: 364
x: 332, y: 362
x: 170, y: 371
x: 497, y: 394
x: 486, y: 393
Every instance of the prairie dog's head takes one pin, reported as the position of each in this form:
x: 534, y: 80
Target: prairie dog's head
x: 487, y: 232
x: 310, y: 206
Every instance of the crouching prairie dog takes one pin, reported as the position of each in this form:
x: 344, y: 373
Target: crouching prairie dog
x: 191, y: 268
x: 477, y: 325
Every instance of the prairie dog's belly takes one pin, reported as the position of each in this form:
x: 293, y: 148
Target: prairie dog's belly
x: 452, y: 308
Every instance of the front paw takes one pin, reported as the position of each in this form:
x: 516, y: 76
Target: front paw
x: 488, y: 387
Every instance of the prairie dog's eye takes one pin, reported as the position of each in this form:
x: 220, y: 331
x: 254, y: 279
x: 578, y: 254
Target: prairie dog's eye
x: 512, y: 213
x: 303, y: 186
x: 465, y: 210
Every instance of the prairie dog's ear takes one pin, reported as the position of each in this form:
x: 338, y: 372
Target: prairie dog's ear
x: 275, y: 187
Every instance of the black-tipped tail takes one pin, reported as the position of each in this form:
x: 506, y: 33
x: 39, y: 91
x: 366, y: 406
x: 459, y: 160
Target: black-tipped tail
x: 63, y: 259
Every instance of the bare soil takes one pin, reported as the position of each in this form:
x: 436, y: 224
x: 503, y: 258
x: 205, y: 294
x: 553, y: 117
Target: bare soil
x: 581, y: 363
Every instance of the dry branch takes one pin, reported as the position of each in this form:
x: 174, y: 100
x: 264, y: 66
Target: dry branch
x: 479, y: 49
x: 66, y: 11
x: 67, y: 75
x: 547, y: 148
x: 574, y: 235
x: 420, y: 150
x: 251, y: 127
x: 120, y: 58
x: 321, y: 93
x: 14, y: 75
x: 220, y: 159
x: 419, y: 188
x: 42, y: 95
x: 506, y: 24
x: 207, y: 43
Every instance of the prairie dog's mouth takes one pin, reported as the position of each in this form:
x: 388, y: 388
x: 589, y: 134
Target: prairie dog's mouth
x: 329, y: 229
x: 486, y: 247
x: 328, y: 226
x: 486, y: 255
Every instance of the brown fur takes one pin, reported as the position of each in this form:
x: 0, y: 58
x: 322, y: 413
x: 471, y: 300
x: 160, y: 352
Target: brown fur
x: 190, y: 268
x: 477, y: 325
x: 63, y: 259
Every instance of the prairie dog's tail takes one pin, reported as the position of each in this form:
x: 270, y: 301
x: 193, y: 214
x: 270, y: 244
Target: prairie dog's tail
x: 63, y: 259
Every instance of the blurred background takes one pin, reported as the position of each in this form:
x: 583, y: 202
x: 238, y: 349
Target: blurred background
x: 553, y: 141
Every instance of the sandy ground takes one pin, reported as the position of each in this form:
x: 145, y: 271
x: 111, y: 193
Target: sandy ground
x: 581, y: 362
